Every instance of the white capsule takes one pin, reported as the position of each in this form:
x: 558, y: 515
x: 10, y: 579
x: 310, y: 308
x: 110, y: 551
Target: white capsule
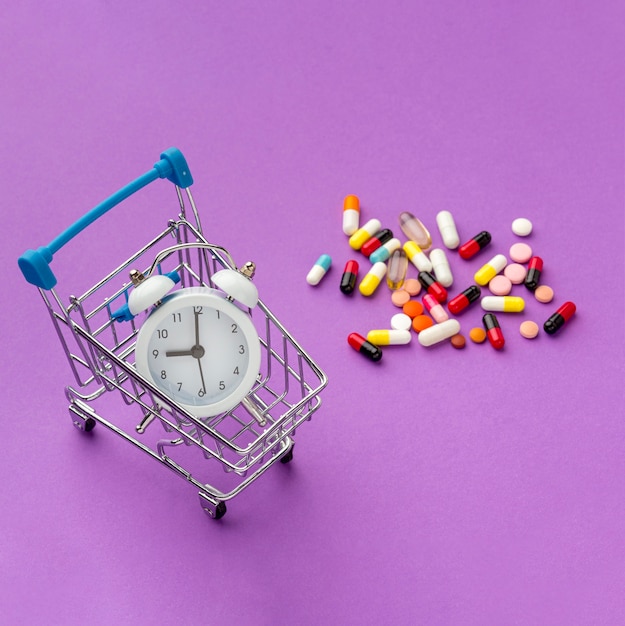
x: 319, y: 269
x: 447, y: 228
x: 439, y: 332
x: 351, y: 221
x: 441, y: 267
x: 389, y: 337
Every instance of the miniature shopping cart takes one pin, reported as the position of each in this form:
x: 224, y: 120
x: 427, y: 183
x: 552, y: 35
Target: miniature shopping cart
x: 219, y: 455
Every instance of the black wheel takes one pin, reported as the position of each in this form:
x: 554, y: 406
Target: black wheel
x: 89, y: 424
x: 220, y: 510
x: 288, y: 456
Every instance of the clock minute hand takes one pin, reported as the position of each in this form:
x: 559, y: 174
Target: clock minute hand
x: 199, y: 362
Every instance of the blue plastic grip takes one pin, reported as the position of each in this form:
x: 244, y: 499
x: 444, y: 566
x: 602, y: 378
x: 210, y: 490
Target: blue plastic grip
x: 35, y: 264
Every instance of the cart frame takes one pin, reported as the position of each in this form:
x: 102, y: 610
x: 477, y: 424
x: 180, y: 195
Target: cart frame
x: 244, y: 441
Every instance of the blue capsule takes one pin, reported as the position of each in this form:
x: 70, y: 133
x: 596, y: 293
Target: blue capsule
x: 319, y: 269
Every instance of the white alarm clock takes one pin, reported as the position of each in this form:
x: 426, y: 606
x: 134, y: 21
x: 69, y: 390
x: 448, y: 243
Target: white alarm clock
x: 196, y: 345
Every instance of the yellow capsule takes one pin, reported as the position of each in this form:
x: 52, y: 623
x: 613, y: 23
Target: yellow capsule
x: 364, y: 234
x: 487, y: 272
x: 503, y: 304
x: 389, y: 337
x: 372, y: 279
x: 417, y: 257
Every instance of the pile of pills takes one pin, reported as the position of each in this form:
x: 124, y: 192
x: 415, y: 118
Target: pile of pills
x: 431, y: 318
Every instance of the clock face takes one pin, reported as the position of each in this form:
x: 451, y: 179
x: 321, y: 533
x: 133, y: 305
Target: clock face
x: 200, y: 350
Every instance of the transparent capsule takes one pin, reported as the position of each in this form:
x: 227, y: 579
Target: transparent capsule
x: 397, y: 268
x: 415, y: 230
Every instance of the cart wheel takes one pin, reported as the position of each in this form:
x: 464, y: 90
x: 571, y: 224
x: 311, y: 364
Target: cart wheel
x: 82, y: 423
x: 89, y: 424
x: 288, y: 456
x: 214, y: 511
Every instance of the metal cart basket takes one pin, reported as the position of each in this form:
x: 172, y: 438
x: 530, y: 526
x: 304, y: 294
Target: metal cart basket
x: 244, y: 441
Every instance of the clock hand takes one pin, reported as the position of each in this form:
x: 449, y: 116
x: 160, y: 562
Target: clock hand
x: 198, y: 350
x: 179, y: 353
x: 199, y: 362
x: 197, y: 327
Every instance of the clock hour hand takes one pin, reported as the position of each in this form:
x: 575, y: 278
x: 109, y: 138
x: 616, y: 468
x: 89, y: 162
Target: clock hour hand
x: 197, y: 352
x: 179, y: 353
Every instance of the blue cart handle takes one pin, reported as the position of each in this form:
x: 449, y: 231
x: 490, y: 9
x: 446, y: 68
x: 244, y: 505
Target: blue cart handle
x: 35, y: 264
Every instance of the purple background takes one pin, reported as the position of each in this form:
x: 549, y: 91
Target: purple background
x: 439, y: 487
